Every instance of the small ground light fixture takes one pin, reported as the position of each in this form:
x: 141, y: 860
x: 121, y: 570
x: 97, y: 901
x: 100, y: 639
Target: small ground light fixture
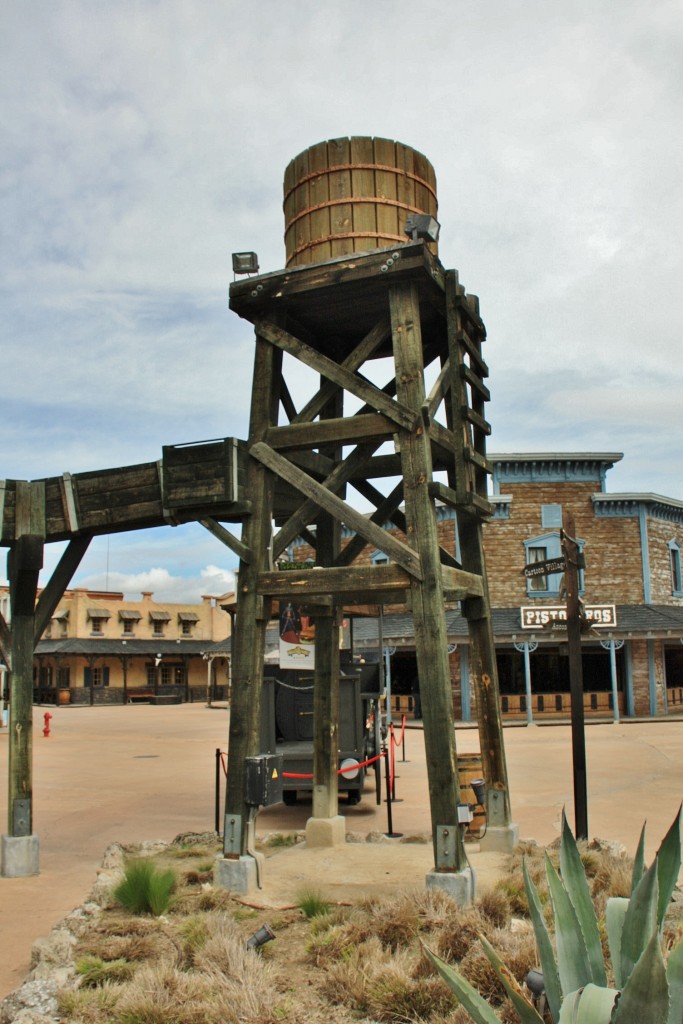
x: 264, y: 934
x: 421, y: 226
x: 245, y: 263
x: 478, y: 787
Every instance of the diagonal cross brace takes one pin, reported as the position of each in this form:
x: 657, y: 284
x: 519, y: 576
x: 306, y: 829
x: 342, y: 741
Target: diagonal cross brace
x: 399, y: 552
x: 355, y: 385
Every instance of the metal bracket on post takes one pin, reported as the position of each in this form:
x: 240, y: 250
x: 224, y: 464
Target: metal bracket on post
x: 495, y: 807
x: 21, y: 817
x: 446, y: 847
x: 232, y: 835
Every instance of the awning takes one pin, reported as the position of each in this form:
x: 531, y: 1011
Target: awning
x: 188, y: 617
x: 98, y: 613
x: 62, y: 614
x: 129, y: 615
x: 160, y: 616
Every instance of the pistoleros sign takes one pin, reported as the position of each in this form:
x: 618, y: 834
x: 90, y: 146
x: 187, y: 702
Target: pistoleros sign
x: 549, y: 616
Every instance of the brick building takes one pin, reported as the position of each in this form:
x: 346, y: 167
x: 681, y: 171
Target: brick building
x: 102, y: 649
x: 632, y: 589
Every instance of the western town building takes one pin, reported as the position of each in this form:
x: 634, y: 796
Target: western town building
x: 631, y: 587
x: 100, y: 648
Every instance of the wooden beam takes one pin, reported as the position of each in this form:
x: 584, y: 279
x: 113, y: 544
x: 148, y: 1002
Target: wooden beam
x: 225, y: 537
x: 334, y: 372
x: 386, y: 509
x: 5, y: 642
x: 363, y: 351
x: 460, y: 584
x: 287, y: 401
x: 440, y: 389
x: 397, y: 551
x: 341, y: 430
x: 305, y: 515
x: 62, y: 575
x: 340, y: 581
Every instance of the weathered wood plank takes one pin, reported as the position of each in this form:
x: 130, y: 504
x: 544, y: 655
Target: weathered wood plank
x: 339, y: 476
x: 339, y: 509
x: 340, y: 581
x: 460, y: 584
x: 386, y: 508
x: 343, y: 430
x: 61, y: 576
x: 227, y: 538
x: 363, y: 351
x: 428, y: 596
x: 439, y: 389
x: 362, y: 389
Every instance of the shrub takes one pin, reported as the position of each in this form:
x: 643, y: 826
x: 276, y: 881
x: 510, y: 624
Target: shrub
x: 145, y: 889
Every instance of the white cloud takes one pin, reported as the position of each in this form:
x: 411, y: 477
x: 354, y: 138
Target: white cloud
x: 211, y: 581
x: 143, y: 142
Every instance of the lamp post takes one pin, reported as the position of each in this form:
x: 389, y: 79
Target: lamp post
x: 527, y: 647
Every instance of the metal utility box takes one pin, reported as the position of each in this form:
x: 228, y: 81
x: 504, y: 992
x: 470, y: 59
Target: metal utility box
x: 287, y: 726
x: 264, y: 780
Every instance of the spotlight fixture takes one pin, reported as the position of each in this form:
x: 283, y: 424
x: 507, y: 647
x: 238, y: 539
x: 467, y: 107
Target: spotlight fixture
x: 478, y: 787
x: 264, y: 934
x: 421, y: 226
x: 245, y: 263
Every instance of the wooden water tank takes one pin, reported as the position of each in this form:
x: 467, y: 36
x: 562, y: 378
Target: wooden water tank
x: 353, y: 195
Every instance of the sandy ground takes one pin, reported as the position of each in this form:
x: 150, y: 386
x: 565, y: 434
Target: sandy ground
x: 127, y: 774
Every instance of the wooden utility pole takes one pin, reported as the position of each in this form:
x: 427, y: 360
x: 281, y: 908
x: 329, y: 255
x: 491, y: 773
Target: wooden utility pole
x: 571, y: 581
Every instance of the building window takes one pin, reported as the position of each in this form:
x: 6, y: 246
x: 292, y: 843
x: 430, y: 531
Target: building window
x: 63, y: 677
x: 540, y: 549
x: 158, y: 628
x: 551, y: 515
x: 98, y: 617
x: 96, y: 676
x: 675, y: 562
x: 187, y: 620
x: 151, y: 675
x: 97, y: 627
x: 379, y: 558
x: 537, y: 584
x: 128, y: 625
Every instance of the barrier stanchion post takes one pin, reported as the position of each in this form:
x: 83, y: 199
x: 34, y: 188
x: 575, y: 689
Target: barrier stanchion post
x: 217, y: 795
x: 403, y: 738
x: 392, y: 747
x: 390, y: 824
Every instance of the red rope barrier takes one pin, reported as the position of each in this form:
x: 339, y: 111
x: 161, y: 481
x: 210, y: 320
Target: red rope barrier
x: 399, y: 742
x: 340, y: 771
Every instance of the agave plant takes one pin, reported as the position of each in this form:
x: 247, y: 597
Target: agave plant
x: 647, y: 991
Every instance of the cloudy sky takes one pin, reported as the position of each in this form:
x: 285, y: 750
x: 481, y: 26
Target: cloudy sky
x: 144, y: 141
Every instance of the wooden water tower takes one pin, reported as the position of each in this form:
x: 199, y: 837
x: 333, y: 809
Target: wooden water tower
x: 367, y: 308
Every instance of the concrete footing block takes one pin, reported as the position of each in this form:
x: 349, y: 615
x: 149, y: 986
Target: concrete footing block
x: 240, y: 875
x: 500, y: 839
x: 459, y: 885
x: 19, y: 856
x: 322, y: 832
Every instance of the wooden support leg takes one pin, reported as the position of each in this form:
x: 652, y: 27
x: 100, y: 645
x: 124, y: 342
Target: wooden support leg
x: 427, y: 595
x: 251, y: 616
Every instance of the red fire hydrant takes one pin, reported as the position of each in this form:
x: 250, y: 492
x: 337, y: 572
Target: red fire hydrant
x: 47, y: 716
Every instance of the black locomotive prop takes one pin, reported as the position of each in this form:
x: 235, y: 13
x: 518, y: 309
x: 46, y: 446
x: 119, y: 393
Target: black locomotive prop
x: 287, y: 728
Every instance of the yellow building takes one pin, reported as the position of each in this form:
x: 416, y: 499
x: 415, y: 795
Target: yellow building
x: 102, y: 649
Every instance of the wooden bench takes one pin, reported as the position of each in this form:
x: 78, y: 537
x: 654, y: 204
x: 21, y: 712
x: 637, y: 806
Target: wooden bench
x: 141, y: 695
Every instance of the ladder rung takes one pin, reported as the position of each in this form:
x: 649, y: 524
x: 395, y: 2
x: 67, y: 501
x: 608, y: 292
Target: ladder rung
x: 472, y: 350
x: 475, y: 381
x: 475, y: 419
x: 478, y: 460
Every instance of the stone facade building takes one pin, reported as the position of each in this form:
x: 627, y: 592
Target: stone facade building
x: 632, y: 589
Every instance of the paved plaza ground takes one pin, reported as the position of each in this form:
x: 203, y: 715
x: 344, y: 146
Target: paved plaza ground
x: 133, y: 773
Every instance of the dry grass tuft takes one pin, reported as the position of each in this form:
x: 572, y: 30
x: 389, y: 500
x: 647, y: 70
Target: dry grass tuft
x: 495, y: 907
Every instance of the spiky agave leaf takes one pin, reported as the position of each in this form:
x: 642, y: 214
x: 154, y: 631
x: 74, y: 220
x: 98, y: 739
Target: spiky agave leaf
x: 576, y: 885
x: 639, y: 861
x: 526, y: 1011
x: 640, y: 922
x: 674, y: 977
x: 590, y: 1005
x: 572, y: 956
x: 615, y: 915
x: 668, y: 866
x: 645, y: 996
x: 477, y: 1007
x: 546, y: 953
